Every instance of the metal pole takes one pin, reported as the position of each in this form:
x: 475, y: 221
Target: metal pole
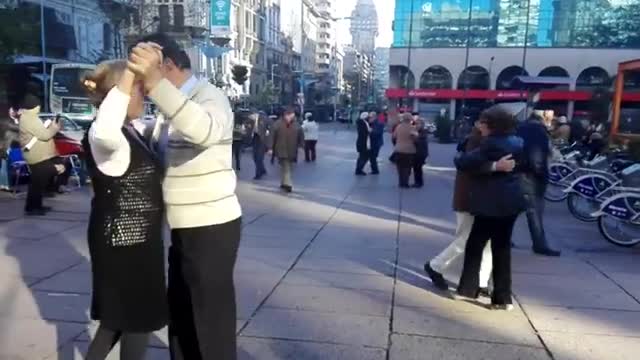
x: 44, y: 58
x: 407, y: 76
x: 466, y: 73
x: 302, y: 58
x: 524, y: 56
x: 491, y: 70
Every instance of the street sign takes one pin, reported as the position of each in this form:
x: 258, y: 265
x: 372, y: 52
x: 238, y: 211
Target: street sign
x: 220, y: 18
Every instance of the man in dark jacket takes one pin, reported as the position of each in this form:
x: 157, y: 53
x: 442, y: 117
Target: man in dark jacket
x: 535, y: 175
x: 362, y: 143
x: 376, y: 139
x: 259, y: 139
x: 287, y: 139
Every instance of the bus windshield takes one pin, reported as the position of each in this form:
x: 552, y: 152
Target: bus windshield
x: 66, y: 82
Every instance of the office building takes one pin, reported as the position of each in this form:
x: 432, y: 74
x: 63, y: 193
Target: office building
x: 448, y: 54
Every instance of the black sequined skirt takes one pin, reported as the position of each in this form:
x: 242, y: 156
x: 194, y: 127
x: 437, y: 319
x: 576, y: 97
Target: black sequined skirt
x: 128, y: 266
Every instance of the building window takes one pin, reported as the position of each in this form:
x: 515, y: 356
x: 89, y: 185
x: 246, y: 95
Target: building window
x: 106, y: 37
x: 163, y: 12
x: 136, y: 18
x: 178, y: 17
x: 511, y: 23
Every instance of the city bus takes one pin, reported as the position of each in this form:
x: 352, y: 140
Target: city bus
x: 67, y: 96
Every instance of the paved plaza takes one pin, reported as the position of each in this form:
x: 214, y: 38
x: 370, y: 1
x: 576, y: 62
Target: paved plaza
x: 334, y: 271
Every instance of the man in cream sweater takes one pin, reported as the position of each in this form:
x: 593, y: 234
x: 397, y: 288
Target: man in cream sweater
x: 193, y: 136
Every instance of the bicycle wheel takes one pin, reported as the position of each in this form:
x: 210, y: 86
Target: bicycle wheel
x: 555, y: 193
x: 619, y: 232
x: 582, y: 208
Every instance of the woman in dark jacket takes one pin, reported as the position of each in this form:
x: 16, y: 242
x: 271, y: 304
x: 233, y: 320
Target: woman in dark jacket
x: 363, y: 145
x: 376, y: 139
x: 496, y: 199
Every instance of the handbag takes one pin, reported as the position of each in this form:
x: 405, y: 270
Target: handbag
x: 394, y: 157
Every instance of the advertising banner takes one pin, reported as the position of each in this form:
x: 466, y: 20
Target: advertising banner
x: 220, y: 18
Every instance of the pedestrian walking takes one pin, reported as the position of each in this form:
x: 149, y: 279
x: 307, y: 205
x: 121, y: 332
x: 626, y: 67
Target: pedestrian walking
x: 193, y: 134
x: 363, y: 143
x: 437, y: 266
x: 311, y: 134
x: 259, y: 142
x: 405, y: 136
x: 287, y: 139
x: 239, y: 136
x: 125, y: 224
x: 496, y: 200
x: 537, y: 150
x: 422, y: 152
x: 272, y: 121
x: 376, y: 140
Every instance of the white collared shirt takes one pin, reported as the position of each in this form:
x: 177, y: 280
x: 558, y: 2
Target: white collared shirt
x: 163, y: 138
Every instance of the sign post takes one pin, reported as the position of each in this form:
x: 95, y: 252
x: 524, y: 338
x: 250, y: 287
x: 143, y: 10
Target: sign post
x: 220, y: 18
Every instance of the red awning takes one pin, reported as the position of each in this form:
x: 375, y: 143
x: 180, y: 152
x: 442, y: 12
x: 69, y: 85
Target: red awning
x: 447, y: 94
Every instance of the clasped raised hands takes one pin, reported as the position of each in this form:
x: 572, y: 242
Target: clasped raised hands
x: 146, y: 62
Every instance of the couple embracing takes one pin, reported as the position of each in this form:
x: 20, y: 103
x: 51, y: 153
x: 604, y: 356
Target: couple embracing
x: 178, y: 167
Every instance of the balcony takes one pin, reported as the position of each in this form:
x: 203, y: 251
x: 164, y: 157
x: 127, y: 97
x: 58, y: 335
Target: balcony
x: 323, y: 60
x: 179, y: 19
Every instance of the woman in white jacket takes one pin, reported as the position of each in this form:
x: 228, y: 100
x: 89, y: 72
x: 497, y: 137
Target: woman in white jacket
x: 311, y: 130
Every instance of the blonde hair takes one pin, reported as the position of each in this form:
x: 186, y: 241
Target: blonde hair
x: 100, y: 81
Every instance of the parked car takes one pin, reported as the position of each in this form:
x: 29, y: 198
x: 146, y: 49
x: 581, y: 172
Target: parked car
x: 69, y: 139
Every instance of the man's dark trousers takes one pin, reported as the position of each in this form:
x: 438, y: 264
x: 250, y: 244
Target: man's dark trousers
x: 259, y: 149
x: 201, y: 292
x: 534, y: 190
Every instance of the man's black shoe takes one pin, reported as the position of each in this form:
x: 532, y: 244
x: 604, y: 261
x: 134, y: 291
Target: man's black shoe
x: 361, y: 173
x: 375, y: 173
x: 287, y: 188
x: 547, y: 252
x: 36, y: 212
x: 437, y: 278
x: 484, y: 292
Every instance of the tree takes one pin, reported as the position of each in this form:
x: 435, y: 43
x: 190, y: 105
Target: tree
x: 19, y: 32
x: 443, y: 129
x: 266, y: 97
x: 240, y: 74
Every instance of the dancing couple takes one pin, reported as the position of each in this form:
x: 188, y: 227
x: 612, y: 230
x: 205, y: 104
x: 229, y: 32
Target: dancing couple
x: 178, y: 167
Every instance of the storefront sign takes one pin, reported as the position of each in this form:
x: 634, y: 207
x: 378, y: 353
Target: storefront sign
x: 220, y: 18
x: 444, y: 94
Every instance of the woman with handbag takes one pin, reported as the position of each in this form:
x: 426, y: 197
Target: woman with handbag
x: 496, y: 200
x: 405, y: 136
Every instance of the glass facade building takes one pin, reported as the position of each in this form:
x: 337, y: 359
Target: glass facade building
x: 512, y: 23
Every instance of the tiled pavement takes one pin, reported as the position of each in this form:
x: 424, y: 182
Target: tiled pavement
x: 333, y: 271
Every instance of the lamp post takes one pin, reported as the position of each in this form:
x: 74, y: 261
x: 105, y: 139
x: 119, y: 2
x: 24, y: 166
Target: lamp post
x: 273, y: 67
x: 44, y: 57
x: 524, y: 54
x: 490, y: 70
x: 465, y: 73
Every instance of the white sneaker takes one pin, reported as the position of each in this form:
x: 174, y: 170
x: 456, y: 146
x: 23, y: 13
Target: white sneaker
x: 503, y: 307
